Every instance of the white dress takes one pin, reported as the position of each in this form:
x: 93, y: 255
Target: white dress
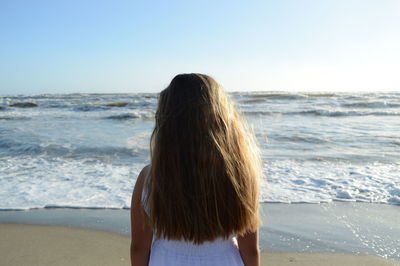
x: 179, y: 253
x: 220, y: 252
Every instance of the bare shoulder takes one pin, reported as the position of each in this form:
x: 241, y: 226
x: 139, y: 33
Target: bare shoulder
x: 137, y: 191
x: 141, y: 230
x: 142, y: 176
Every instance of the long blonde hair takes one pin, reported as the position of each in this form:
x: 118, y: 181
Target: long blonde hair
x: 205, y: 164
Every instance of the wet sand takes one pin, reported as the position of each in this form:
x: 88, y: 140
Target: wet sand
x: 57, y: 245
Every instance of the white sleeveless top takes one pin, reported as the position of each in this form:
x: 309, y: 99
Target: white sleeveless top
x: 179, y: 253
x: 220, y: 252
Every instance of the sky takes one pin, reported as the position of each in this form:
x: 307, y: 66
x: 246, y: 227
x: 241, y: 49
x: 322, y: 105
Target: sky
x: 69, y: 46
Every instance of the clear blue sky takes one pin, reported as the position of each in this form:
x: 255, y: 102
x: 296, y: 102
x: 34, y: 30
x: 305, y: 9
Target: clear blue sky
x: 64, y: 46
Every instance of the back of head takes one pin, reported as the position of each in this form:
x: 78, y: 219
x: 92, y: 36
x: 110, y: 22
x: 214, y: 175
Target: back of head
x: 205, y: 164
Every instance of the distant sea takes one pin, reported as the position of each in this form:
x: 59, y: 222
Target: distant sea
x: 85, y: 150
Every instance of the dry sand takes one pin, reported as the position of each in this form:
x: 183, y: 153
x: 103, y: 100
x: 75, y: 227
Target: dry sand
x: 54, y: 245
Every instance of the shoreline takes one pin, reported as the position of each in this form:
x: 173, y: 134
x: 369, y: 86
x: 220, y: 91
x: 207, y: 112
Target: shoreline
x: 348, y: 229
x: 57, y: 245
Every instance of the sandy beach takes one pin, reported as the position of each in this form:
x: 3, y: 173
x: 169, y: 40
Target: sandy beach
x: 56, y: 245
x: 291, y: 234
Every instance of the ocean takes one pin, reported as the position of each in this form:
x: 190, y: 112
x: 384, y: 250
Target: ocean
x: 86, y: 150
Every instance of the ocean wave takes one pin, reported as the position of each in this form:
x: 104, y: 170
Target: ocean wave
x: 95, y: 151
x: 276, y: 96
x: 14, y: 148
x: 371, y: 105
x: 397, y: 143
x: 321, y: 95
x: 257, y: 113
x: 300, y: 138
x: 149, y: 95
x: 24, y: 104
x: 89, y: 151
x: 117, y: 104
x: 13, y: 117
x: 17, y: 148
x: 257, y: 97
x: 256, y: 100
x: 29, y: 182
x: 328, y: 113
x: 124, y: 116
x: 313, y: 159
x: 35, y: 183
x: 89, y: 108
x: 144, y: 115
x: 347, y: 113
x: 295, y: 181
x: 64, y: 206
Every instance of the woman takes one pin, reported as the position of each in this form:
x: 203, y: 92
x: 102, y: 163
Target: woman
x: 198, y: 202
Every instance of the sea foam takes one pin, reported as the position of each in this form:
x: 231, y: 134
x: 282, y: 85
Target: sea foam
x: 86, y: 150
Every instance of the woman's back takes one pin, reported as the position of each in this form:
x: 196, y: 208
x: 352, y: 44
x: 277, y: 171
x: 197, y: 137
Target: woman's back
x: 219, y: 252
x: 204, y: 179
